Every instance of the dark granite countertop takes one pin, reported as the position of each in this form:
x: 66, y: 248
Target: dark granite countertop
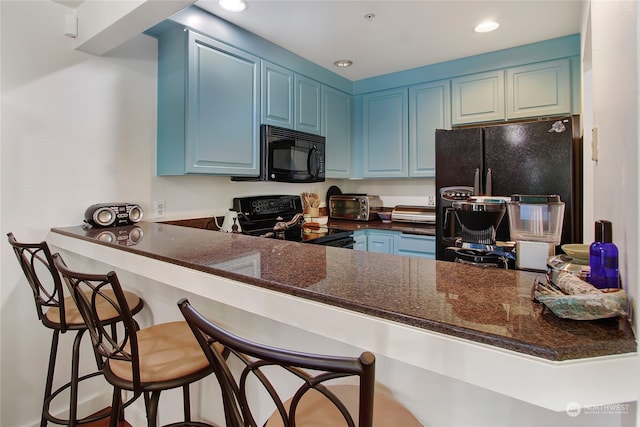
x: 482, y: 305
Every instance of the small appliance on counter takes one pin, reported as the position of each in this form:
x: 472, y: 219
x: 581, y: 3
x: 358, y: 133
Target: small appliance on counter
x: 535, y: 223
x: 415, y: 214
x: 112, y: 214
x: 230, y: 223
x: 448, y: 229
x: 356, y: 207
x: 479, y: 217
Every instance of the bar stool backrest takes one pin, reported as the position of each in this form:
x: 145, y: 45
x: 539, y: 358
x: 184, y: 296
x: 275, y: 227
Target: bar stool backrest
x: 113, y: 341
x: 260, y: 361
x: 37, y: 264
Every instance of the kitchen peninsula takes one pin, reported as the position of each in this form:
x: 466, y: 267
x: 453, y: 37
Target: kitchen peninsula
x: 474, y: 325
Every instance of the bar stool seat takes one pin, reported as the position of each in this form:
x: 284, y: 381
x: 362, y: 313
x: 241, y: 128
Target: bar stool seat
x: 144, y: 361
x: 74, y: 318
x: 60, y: 314
x: 248, y: 368
x: 315, y: 410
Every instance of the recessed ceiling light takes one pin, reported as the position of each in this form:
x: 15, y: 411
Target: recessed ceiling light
x: 233, y: 5
x: 486, y: 27
x: 343, y: 63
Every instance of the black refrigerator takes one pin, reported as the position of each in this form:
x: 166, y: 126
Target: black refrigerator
x: 536, y: 157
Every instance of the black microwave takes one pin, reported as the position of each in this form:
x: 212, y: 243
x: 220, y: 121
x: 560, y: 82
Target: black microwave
x: 289, y: 156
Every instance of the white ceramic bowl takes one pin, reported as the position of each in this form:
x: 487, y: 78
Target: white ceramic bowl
x: 578, y: 251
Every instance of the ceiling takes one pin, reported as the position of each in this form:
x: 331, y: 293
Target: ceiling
x: 402, y: 34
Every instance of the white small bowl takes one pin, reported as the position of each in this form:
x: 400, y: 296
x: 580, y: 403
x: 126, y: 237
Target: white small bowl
x: 322, y: 220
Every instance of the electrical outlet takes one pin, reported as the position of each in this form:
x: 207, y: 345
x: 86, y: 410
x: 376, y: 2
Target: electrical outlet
x: 160, y: 208
x: 431, y: 200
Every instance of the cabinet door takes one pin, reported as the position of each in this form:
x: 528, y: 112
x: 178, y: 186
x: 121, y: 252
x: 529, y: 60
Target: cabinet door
x: 478, y: 98
x: 307, y: 105
x: 416, y: 246
x: 223, y: 90
x: 429, y: 109
x: 381, y: 243
x: 385, y: 140
x: 360, y: 237
x: 277, y: 95
x: 541, y: 89
x: 336, y: 127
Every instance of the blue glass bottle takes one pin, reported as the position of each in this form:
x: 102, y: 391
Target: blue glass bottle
x: 603, y: 258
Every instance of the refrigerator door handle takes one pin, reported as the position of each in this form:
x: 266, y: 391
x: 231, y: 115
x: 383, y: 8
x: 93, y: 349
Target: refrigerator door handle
x: 487, y: 185
x: 446, y: 218
x: 476, y: 183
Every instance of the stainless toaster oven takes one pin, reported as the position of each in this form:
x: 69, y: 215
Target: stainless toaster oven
x: 356, y: 207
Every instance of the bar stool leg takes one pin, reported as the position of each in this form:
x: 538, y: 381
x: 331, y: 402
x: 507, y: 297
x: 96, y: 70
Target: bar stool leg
x: 49, y: 385
x: 186, y: 402
x: 75, y: 366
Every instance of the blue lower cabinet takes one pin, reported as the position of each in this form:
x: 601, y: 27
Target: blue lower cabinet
x: 360, y: 237
x: 395, y: 243
x: 380, y: 241
x: 415, y: 245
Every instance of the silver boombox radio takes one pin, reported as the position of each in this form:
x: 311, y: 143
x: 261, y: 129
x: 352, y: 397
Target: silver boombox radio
x: 113, y: 214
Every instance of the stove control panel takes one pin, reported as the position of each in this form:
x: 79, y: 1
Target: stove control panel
x: 267, y: 206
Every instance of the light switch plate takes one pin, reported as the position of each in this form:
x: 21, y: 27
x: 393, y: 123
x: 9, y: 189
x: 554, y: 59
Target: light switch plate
x: 594, y: 144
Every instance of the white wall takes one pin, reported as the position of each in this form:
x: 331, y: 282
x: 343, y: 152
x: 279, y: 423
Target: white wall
x: 77, y: 129
x: 614, y: 59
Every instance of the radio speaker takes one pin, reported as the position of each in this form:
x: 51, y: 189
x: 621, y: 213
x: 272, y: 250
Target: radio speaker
x: 113, y: 214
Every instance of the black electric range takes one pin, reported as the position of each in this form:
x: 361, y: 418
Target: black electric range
x: 280, y: 217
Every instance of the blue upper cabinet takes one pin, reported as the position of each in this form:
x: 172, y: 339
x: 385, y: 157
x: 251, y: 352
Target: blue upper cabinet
x: 336, y: 127
x: 208, y: 107
x: 277, y: 95
x: 385, y: 134
x: 478, y: 97
x: 532, y: 90
x: 307, y: 105
x: 429, y: 109
x: 541, y: 89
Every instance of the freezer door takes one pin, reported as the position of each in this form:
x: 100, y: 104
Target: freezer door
x: 458, y: 156
x: 532, y: 158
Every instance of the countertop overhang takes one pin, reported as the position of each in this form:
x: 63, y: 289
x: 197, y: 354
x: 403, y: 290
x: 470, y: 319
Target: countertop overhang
x: 475, y: 325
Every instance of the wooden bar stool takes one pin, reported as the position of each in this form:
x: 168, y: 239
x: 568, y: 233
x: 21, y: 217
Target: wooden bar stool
x: 317, y: 402
x: 60, y: 314
x: 144, y: 361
